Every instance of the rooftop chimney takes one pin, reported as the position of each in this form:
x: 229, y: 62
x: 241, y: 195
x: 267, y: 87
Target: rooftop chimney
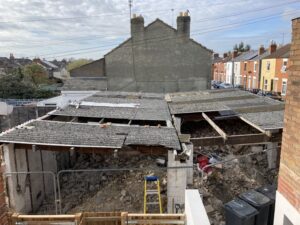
x: 216, y: 55
x: 235, y: 53
x: 137, y: 27
x: 11, y: 56
x: 225, y: 55
x: 273, y: 47
x: 261, y: 50
x: 183, y: 24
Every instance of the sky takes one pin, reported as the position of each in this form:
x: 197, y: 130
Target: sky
x: 56, y: 29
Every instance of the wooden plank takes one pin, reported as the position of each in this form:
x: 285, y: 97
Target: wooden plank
x: 247, y: 139
x: 252, y: 124
x: 208, y: 141
x: 215, y: 126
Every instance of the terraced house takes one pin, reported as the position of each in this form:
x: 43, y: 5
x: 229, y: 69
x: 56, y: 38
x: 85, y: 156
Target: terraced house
x: 274, y: 71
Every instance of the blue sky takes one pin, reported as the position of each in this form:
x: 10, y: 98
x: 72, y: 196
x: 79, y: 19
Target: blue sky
x: 90, y: 28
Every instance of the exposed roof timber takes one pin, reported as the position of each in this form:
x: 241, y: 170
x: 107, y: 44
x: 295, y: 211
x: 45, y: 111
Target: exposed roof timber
x: 152, y: 150
x: 215, y: 126
x: 246, y: 139
x: 253, y: 125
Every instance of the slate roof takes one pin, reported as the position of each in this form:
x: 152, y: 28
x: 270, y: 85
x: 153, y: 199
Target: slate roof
x: 283, y: 52
x: 86, y: 135
x: 246, y: 56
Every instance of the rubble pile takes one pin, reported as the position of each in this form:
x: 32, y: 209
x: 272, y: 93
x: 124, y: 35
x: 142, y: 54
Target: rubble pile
x: 118, y: 190
x: 198, y: 129
x: 233, y: 178
x: 235, y: 127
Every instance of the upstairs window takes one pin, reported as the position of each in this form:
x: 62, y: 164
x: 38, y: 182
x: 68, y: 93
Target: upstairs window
x: 284, y: 66
x: 255, y: 66
x: 245, y: 66
x: 268, y: 65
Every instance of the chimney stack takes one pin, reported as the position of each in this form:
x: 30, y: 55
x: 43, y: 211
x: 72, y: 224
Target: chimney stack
x: 235, y: 53
x: 183, y: 25
x: 225, y: 55
x: 137, y: 27
x: 261, y: 50
x: 273, y: 47
x: 216, y: 55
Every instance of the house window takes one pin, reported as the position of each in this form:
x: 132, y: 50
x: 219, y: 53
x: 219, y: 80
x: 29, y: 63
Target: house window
x: 245, y: 66
x: 268, y: 65
x: 284, y: 66
x: 284, y: 87
x: 255, y: 66
x: 266, y: 85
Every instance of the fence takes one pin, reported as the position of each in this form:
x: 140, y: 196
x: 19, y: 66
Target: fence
x: 99, y: 218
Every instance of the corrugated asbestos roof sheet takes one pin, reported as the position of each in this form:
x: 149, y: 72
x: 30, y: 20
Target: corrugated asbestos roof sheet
x: 87, y: 135
x: 150, y: 107
x: 266, y: 120
x: 234, y: 100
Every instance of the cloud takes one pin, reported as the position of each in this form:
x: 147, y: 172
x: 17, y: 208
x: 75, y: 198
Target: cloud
x: 100, y: 23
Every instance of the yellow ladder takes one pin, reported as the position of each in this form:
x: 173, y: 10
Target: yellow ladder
x: 152, y: 192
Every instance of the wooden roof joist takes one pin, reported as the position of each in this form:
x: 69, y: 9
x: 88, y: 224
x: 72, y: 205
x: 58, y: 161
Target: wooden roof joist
x: 132, y: 150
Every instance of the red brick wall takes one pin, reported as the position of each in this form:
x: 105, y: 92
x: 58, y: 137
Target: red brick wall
x: 289, y: 174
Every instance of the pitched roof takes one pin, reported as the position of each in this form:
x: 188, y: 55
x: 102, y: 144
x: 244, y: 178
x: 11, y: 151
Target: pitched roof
x: 283, y: 52
x: 166, y: 25
x: 246, y: 56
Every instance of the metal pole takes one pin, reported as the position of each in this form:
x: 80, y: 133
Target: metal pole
x: 39, y: 172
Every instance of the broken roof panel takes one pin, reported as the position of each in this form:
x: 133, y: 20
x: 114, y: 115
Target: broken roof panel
x: 266, y: 120
x: 148, y: 108
x: 88, y: 135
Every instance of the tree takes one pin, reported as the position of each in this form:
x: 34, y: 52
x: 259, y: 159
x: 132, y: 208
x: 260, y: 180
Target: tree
x: 241, y: 47
x: 36, y: 74
x: 77, y: 63
x: 25, y: 84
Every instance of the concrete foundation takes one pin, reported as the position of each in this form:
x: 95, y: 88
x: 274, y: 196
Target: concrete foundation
x: 177, y: 180
x: 26, y: 192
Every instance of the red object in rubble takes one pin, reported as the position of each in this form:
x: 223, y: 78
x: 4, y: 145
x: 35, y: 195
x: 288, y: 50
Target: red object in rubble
x: 203, y: 161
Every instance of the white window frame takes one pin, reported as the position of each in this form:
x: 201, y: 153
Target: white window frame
x: 265, y: 84
x: 268, y: 65
x: 284, y: 81
x: 255, y: 65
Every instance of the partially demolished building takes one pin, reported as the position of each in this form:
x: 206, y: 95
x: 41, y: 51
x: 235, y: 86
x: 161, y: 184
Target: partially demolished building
x: 173, y: 126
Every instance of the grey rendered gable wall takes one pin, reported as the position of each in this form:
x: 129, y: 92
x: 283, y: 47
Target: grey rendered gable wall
x: 163, y: 62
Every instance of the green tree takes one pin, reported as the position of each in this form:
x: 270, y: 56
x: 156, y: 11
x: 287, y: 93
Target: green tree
x: 241, y: 47
x: 36, y: 74
x: 77, y: 63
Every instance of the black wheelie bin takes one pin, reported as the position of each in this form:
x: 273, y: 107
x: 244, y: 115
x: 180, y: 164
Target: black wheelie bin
x: 270, y: 192
x: 261, y: 203
x: 239, y: 212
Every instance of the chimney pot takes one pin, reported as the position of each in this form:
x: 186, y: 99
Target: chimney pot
x: 137, y: 27
x: 261, y: 50
x: 216, y: 55
x: 235, y: 53
x: 273, y: 47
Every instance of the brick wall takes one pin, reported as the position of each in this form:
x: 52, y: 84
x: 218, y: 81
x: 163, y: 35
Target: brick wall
x: 289, y: 174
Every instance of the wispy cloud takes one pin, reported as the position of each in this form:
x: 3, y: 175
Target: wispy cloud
x: 32, y: 27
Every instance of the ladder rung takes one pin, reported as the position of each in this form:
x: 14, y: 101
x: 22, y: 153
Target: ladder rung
x: 152, y: 203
